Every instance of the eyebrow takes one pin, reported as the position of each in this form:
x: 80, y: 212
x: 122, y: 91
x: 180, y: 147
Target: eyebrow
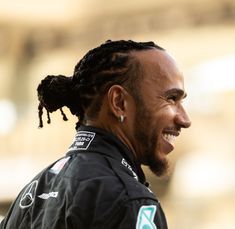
x: 176, y: 91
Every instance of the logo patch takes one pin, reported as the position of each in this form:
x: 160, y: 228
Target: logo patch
x: 56, y: 168
x: 125, y: 163
x: 46, y: 196
x: 145, y: 218
x: 29, y: 194
x: 82, y: 140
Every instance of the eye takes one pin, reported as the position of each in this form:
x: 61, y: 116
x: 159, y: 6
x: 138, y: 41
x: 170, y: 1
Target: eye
x: 172, y: 98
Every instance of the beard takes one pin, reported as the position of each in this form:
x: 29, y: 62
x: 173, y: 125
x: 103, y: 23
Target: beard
x: 148, y: 141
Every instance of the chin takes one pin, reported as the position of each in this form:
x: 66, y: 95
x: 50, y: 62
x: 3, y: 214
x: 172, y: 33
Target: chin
x: 159, y: 166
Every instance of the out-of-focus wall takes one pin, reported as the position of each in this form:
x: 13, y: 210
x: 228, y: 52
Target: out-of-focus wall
x: 49, y: 37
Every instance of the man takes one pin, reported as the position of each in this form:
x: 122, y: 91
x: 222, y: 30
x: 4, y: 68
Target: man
x: 128, y: 100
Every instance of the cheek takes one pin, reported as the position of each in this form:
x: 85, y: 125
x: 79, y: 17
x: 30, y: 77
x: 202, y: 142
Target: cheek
x: 165, y: 114
x: 169, y: 112
x: 131, y: 117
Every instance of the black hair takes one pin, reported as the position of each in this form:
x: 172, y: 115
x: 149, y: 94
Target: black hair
x: 102, y: 67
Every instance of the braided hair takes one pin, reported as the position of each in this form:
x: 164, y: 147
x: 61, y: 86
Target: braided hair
x: 102, y: 67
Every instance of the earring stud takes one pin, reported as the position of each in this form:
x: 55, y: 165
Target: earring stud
x: 121, y: 118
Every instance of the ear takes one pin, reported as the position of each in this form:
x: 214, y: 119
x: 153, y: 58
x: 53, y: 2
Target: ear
x: 117, y: 100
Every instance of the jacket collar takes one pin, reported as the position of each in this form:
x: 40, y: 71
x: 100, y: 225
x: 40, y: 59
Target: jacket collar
x: 98, y: 140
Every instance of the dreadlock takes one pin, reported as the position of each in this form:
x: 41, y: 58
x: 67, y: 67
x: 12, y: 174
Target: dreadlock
x: 102, y: 67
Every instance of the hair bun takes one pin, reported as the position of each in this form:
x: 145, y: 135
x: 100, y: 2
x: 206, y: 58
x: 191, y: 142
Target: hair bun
x: 54, y: 92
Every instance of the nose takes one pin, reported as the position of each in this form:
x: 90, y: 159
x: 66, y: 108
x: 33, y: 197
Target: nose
x: 182, y: 119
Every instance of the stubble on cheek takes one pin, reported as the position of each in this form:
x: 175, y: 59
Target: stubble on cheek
x: 148, y: 140
x: 151, y: 152
x: 157, y: 162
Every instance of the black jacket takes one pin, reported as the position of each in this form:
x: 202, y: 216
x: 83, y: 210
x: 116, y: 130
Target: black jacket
x: 96, y: 185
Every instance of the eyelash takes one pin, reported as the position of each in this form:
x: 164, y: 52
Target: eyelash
x: 172, y: 98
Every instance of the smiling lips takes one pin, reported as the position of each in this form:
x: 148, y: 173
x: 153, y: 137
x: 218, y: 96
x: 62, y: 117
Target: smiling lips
x: 170, y: 136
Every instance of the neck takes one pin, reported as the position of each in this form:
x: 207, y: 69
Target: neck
x: 117, y: 129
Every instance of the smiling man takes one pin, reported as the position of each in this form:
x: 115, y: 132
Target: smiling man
x: 160, y: 107
x: 128, y: 99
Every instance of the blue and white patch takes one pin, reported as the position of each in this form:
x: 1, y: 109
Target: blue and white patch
x: 56, y: 168
x: 82, y: 140
x: 145, y: 219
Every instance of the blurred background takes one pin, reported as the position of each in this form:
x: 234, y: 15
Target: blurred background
x: 38, y: 38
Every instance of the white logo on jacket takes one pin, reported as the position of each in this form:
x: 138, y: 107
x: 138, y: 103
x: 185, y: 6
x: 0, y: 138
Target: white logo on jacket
x: 46, y: 196
x: 82, y: 140
x: 28, y: 195
x: 125, y: 163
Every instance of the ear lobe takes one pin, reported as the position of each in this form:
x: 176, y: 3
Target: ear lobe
x: 117, y: 100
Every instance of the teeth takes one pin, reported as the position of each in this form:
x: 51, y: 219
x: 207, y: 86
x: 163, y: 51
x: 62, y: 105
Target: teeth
x: 169, y: 137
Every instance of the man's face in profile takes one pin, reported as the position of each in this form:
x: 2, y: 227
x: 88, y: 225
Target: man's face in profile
x: 160, y: 115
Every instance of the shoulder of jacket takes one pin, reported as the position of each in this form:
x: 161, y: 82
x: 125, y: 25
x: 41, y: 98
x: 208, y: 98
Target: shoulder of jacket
x: 87, y: 165
x: 135, y: 189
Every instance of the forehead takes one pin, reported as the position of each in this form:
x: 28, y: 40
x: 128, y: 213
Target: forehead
x: 159, y: 69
